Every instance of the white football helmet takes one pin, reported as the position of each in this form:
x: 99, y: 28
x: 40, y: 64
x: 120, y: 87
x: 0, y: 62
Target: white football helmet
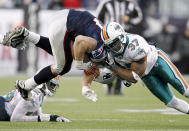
x: 106, y: 76
x: 114, y: 37
x: 48, y: 88
x: 51, y: 86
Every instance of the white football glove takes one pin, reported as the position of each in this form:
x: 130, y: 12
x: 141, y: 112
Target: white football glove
x: 44, y: 117
x: 57, y: 118
x: 82, y: 66
x: 89, y: 94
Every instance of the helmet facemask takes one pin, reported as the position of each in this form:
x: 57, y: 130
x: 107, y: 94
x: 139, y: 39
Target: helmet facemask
x: 116, y: 46
x: 50, y: 87
x: 114, y: 38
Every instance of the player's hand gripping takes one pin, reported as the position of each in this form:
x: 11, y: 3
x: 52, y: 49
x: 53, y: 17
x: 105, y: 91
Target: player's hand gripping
x: 89, y: 94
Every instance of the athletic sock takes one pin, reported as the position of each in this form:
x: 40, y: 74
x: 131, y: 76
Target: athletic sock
x: 44, y: 75
x: 33, y: 37
x: 30, y: 84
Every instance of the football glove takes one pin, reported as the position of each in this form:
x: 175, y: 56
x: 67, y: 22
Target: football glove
x: 89, y: 94
x: 57, y: 118
x: 82, y: 66
x: 53, y: 118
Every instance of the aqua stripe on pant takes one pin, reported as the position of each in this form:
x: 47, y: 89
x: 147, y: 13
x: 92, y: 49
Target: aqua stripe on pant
x: 162, y: 73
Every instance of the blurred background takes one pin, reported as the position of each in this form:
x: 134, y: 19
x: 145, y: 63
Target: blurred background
x: 165, y: 22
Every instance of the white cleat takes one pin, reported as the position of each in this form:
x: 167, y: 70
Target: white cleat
x: 16, y: 38
x: 66, y: 120
x: 20, y: 85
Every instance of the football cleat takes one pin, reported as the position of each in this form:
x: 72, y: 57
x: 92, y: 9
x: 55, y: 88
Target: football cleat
x: 20, y: 85
x: 16, y: 38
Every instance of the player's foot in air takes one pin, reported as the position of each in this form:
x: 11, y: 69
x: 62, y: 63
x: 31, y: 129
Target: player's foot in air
x: 20, y: 85
x: 16, y: 38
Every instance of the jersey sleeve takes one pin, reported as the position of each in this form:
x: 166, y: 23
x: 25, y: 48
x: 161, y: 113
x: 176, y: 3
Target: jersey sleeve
x: 137, y: 48
x: 20, y: 111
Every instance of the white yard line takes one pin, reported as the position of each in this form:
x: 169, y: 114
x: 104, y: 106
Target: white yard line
x: 87, y: 130
x: 62, y: 100
x: 168, y: 111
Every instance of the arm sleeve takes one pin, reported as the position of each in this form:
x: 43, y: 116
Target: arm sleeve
x: 19, y: 113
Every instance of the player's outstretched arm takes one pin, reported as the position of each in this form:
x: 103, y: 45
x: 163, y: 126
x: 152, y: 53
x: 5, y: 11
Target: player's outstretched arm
x: 23, y: 110
x: 135, y: 72
x: 52, y: 118
x: 86, y: 82
x: 82, y: 45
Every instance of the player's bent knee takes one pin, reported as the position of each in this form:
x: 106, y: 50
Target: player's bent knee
x: 56, y: 69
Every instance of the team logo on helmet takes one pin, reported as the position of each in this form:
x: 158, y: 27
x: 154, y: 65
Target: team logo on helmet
x: 113, y: 36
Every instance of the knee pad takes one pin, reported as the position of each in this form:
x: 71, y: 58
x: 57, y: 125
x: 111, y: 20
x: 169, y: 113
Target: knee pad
x: 57, y: 69
x: 186, y: 93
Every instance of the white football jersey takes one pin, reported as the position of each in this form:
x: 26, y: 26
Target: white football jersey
x: 16, y: 104
x: 137, y: 49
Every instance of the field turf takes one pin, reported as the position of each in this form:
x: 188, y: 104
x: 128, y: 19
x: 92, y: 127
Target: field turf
x: 136, y: 110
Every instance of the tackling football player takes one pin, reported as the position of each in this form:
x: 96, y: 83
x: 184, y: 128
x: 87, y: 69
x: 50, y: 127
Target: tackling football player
x: 147, y: 63
x: 71, y: 33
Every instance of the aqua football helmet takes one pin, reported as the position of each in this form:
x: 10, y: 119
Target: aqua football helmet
x: 114, y: 37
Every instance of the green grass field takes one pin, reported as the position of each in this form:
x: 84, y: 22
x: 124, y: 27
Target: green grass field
x: 136, y: 110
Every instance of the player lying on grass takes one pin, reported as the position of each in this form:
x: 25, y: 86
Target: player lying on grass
x: 147, y: 63
x: 14, y: 108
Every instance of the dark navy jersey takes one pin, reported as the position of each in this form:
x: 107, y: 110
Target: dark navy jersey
x: 84, y: 23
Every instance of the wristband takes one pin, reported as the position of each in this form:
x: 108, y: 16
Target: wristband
x: 82, y: 66
x: 136, y: 76
x: 85, y: 87
x: 79, y: 64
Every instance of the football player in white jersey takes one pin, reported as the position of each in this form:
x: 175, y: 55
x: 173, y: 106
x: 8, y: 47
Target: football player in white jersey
x: 133, y: 59
x: 14, y: 108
